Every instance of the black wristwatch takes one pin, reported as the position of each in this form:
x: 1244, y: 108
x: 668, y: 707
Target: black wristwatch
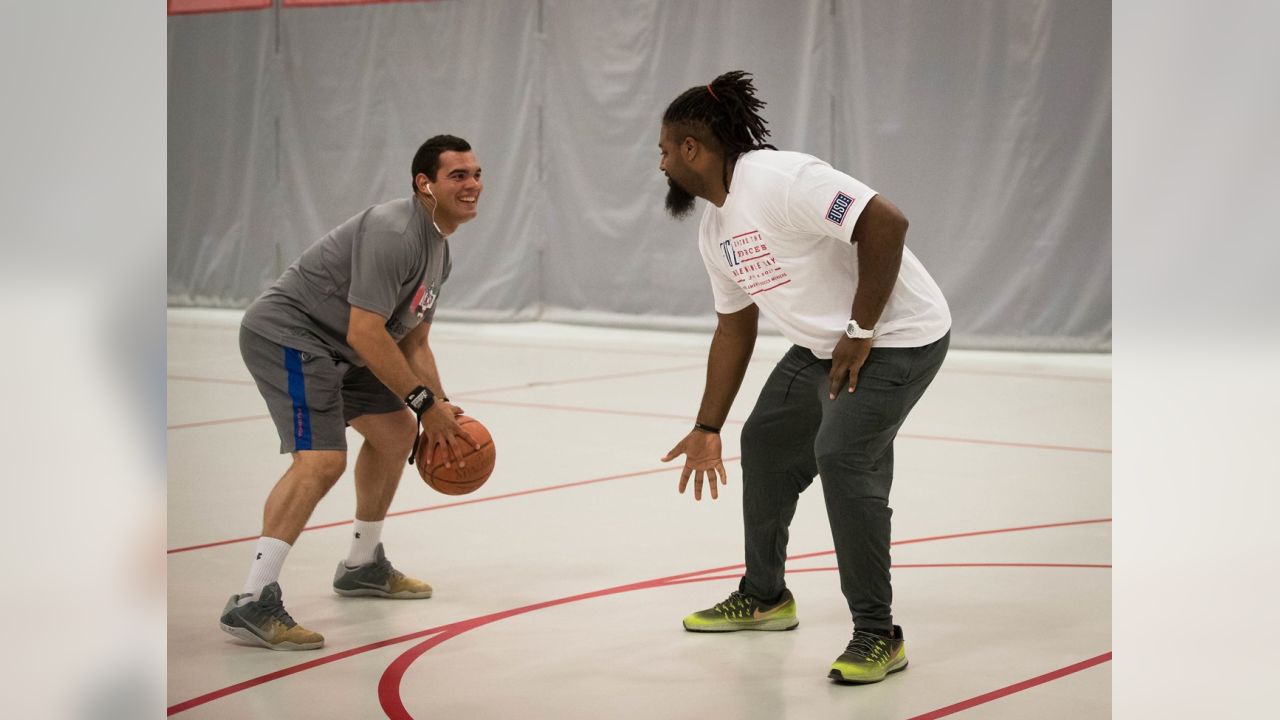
x: 420, y: 400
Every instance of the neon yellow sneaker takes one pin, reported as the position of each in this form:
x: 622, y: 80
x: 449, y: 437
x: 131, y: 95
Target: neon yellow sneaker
x: 870, y: 657
x: 744, y: 612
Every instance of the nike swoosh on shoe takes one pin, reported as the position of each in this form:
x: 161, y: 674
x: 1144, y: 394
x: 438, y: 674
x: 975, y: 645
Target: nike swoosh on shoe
x: 384, y: 587
x: 757, y: 615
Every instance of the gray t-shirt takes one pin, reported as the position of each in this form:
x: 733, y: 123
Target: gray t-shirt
x: 389, y: 259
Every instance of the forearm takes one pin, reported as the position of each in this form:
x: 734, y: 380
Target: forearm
x: 385, y: 360
x: 726, y: 366
x: 423, y: 363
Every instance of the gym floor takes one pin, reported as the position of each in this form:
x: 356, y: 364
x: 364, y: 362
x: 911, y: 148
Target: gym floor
x: 560, y: 584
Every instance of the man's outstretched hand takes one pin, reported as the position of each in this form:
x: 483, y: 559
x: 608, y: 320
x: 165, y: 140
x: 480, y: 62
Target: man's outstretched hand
x: 702, y: 461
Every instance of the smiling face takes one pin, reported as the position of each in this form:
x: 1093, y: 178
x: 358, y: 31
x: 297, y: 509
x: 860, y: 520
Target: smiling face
x: 456, y: 189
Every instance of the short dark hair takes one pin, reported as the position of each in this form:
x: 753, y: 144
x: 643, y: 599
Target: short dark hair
x: 427, y: 159
x: 725, y: 111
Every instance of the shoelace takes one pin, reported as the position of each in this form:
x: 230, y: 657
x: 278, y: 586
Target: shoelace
x: 733, y: 605
x: 383, y: 568
x: 869, y: 646
x: 276, y: 610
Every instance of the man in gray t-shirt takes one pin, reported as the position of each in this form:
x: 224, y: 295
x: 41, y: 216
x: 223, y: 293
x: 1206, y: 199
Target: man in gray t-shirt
x: 340, y: 339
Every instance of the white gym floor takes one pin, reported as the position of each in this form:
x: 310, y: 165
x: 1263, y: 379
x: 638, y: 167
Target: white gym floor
x: 561, y: 583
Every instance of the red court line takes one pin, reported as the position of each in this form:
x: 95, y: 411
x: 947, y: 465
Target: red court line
x: 193, y: 7
x: 223, y: 421
x: 1024, y: 528
x: 1004, y: 565
x: 341, y: 3
x: 532, y: 491
x: 473, y: 501
x: 1006, y: 443
x: 468, y: 397
x: 446, y: 339
x: 189, y: 378
x: 945, y: 370
x: 672, y: 416
x: 691, y: 354
x: 1036, y: 376
x: 671, y: 579
x: 389, y: 684
x: 448, y: 629
x: 589, y: 378
x: 577, y: 408
x: 285, y: 672
x: 460, y: 395
x: 897, y: 566
x: 652, y: 353
x: 952, y: 536
x: 1016, y: 687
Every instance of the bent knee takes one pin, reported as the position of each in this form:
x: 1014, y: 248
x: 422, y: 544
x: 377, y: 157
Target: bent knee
x: 398, y: 437
x: 390, y: 433
x: 324, y: 466
x: 854, y: 474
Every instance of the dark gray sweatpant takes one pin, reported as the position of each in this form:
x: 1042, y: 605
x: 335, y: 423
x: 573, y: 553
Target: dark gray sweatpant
x: 796, y: 432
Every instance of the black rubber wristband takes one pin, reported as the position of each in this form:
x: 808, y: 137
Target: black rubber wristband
x: 420, y: 400
x: 706, y: 428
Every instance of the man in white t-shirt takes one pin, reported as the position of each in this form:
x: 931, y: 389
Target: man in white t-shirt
x: 822, y: 256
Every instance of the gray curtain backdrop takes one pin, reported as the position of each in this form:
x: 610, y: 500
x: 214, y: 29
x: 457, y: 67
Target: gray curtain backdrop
x: 987, y: 122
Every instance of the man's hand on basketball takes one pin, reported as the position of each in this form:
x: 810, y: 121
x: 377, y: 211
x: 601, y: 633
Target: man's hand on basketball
x: 846, y: 361
x: 702, y: 460
x: 441, y: 429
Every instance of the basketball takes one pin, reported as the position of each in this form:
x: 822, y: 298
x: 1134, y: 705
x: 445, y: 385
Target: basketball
x: 457, y: 480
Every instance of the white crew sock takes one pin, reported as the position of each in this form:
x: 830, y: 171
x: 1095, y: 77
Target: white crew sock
x: 267, y: 563
x: 365, y: 537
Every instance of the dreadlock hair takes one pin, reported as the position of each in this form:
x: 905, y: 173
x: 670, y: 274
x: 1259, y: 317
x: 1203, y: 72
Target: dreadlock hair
x: 724, y: 115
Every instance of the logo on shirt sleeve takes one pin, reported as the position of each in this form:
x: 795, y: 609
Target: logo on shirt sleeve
x: 424, y: 300
x: 839, y: 208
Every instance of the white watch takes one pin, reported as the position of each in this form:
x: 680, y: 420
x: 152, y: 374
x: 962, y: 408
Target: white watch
x: 855, y: 331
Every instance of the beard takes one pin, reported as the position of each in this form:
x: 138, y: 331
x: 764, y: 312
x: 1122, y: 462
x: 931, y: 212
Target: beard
x: 679, y: 201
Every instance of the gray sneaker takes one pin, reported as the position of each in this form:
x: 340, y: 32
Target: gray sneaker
x: 265, y: 622
x: 378, y: 579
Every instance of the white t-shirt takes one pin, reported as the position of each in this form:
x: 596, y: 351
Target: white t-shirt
x: 782, y: 241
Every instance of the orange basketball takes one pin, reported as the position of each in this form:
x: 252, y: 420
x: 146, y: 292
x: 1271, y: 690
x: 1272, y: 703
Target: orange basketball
x: 456, y: 479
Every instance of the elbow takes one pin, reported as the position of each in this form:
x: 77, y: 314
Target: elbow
x: 896, y: 232
x: 356, y: 335
x: 899, y: 223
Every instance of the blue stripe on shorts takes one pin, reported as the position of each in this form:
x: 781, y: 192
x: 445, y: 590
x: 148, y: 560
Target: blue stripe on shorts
x: 297, y: 392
